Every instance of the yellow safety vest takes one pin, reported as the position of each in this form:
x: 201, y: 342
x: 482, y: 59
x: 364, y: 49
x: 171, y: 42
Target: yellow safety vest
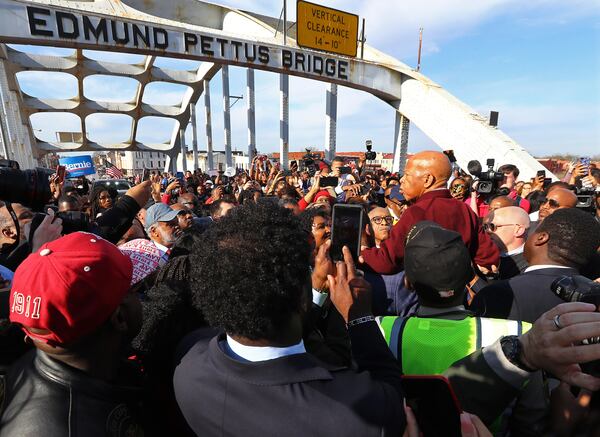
x: 429, y: 346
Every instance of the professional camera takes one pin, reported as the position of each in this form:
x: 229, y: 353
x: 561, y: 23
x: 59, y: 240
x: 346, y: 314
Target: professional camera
x: 28, y: 187
x: 487, y: 180
x: 577, y: 289
x: 370, y: 155
x: 72, y: 221
x: 581, y: 289
x: 586, y: 197
x: 309, y: 163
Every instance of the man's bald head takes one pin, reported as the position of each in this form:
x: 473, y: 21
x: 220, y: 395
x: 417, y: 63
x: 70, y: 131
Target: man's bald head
x: 508, y: 227
x: 558, y: 198
x: 425, y: 171
x: 512, y: 214
x: 433, y: 162
x: 501, y: 202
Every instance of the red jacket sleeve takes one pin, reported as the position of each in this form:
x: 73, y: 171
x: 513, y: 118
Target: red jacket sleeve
x: 302, y: 204
x: 488, y: 253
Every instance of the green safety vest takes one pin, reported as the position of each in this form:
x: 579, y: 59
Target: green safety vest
x: 428, y: 346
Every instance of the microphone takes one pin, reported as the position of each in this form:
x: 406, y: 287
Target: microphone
x: 474, y: 167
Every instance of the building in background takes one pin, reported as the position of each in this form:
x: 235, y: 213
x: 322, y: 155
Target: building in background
x: 240, y: 160
x: 382, y: 161
x: 132, y: 163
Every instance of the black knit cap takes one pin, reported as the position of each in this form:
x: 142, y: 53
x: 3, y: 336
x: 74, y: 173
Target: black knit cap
x: 436, y: 260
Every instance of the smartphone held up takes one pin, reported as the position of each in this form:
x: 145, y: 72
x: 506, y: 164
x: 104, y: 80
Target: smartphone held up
x: 346, y: 230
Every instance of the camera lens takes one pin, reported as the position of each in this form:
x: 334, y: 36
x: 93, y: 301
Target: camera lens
x: 28, y: 187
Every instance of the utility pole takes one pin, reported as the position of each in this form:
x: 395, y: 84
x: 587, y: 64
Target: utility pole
x: 362, y: 40
x: 420, y: 47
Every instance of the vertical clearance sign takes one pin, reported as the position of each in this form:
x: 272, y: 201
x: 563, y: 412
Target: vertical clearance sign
x: 326, y: 29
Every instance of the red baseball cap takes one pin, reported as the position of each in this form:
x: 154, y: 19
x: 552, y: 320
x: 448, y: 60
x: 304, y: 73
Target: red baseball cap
x: 69, y: 287
x: 323, y: 193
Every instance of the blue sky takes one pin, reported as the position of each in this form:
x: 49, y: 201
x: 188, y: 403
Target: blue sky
x: 538, y: 64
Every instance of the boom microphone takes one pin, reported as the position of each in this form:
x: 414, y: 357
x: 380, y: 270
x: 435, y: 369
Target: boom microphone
x: 474, y: 167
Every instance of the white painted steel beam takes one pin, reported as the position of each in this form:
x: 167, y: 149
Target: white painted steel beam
x: 330, y: 121
x: 284, y: 121
x: 226, y: 116
x: 401, y: 128
x: 207, y: 112
x: 194, y: 135
x: 250, y: 108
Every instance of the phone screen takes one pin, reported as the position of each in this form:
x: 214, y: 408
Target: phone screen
x: 541, y: 173
x: 435, y: 405
x: 61, y: 171
x: 585, y: 161
x: 346, y: 230
x: 547, y: 182
x: 345, y: 170
x: 329, y: 181
x: 146, y: 174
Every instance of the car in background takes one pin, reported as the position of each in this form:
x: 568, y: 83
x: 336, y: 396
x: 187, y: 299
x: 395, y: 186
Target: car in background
x: 121, y: 185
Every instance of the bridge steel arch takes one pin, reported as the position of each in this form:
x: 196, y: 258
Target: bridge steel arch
x: 217, y: 35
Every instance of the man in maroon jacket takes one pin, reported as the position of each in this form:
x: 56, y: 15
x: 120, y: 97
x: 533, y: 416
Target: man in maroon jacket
x: 424, y: 185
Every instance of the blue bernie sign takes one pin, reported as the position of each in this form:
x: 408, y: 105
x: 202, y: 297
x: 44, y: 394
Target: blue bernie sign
x: 78, y: 165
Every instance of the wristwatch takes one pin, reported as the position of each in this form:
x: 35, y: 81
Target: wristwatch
x: 513, y: 349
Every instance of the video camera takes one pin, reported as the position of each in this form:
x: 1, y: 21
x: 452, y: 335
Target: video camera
x: 577, y: 289
x: 586, y: 197
x: 370, y: 155
x: 28, y: 187
x: 581, y: 289
x: 487, y: 180
x: 309, y: 162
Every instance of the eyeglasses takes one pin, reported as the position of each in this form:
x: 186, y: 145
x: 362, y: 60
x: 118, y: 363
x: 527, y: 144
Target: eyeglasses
x: 388, y: 219
x: 492, y: 227
x: 552, y: 203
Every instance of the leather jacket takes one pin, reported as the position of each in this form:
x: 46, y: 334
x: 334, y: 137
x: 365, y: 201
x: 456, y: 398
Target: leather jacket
x: 44, y: 397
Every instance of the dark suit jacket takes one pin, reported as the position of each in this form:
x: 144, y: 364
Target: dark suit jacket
x: 296, y: 395
x: 511, y: 266
x: 525, y: 297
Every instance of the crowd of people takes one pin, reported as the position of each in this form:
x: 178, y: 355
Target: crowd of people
x: 210, y: 305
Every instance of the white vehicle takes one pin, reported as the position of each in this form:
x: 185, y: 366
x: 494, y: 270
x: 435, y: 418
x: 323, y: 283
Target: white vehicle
x: 121, y: 185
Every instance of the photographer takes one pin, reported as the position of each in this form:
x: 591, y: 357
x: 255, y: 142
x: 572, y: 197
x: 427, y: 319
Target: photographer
x: 494, y: 183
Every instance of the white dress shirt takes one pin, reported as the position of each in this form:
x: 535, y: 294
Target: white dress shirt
x: 544, y: 266
x: 241, y: 352
x: 515, y: 251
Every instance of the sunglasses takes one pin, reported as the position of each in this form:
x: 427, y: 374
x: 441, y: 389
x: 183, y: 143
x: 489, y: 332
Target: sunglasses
x: 492, y: 227
x: 552, y: 203
x: 388, y: 219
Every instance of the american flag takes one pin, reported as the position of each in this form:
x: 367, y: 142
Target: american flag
x: 112, y: 170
